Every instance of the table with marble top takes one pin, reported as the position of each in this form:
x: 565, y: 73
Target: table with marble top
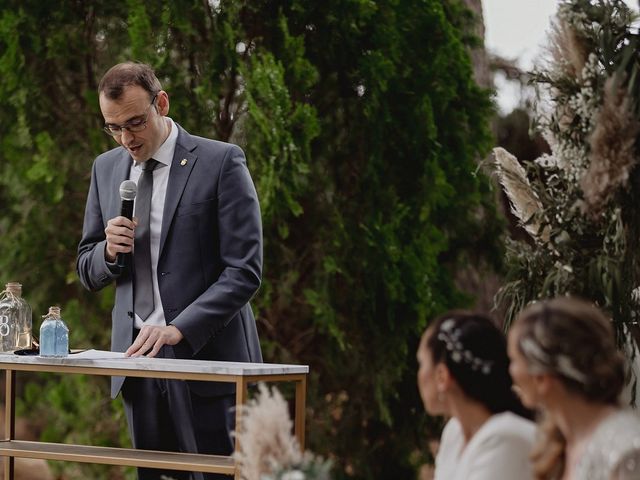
x: 98, y: 362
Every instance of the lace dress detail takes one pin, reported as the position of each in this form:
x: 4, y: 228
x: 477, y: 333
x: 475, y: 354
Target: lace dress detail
x: 613, y: 452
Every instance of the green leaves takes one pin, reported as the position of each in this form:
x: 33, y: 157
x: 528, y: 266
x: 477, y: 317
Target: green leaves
x: 140, y: 31
x: 283, y: 132
x: 361, y: 124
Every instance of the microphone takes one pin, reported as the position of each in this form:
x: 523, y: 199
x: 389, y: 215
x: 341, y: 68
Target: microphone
x: 128, y: 190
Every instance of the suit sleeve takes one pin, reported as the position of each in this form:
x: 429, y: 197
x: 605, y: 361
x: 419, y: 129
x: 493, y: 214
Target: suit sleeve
x: 91, y: 264
x: 240, y: 237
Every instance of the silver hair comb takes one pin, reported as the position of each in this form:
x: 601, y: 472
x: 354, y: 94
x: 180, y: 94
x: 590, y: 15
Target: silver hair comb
x: 450, y: 336
x: 562, y: 364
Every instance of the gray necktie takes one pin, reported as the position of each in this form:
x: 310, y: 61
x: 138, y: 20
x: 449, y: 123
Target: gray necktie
x: 143, y: 291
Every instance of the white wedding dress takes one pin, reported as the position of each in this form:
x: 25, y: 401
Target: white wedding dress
x: 613, y: 451
x: 499, y: 450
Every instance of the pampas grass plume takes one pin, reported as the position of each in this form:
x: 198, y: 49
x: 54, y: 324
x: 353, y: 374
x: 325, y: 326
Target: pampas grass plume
x: 568, y: 49
x: 524, y: 201
x: 612, y: 147
x: 265, y: 438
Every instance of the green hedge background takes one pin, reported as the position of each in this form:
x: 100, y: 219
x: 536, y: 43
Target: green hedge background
x: 362, y: 126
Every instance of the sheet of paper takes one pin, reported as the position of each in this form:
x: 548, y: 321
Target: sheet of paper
x: 97, y: 354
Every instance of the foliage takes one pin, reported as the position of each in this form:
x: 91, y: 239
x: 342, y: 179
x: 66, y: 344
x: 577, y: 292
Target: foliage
x: 361, y: 124
x: 584, y: 233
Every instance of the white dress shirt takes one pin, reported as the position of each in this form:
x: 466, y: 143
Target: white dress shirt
x: 164, y: 157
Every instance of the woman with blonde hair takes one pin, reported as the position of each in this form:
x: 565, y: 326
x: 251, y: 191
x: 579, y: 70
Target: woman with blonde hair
x: 464, y: 374
x: 564, y: 361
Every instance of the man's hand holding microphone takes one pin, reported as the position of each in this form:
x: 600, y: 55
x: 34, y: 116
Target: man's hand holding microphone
x: 120, y: 230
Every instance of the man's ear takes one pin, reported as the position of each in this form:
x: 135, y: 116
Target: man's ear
x: 162, y: 103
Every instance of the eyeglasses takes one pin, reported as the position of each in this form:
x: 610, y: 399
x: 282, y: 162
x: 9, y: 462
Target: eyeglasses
x: 135, y: 125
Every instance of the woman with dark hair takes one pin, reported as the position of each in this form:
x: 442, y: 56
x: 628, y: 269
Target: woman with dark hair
x: 464, y: 374
x: 564, y: 361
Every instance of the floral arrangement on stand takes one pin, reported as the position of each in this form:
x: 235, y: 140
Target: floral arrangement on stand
x: 268, y: 450
x: 580, y: 204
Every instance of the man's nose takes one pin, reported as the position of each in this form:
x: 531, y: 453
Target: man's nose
x: 126, y: 136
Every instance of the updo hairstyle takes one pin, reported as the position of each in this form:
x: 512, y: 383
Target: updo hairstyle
x: 474, y: 350
x: 573, y: 340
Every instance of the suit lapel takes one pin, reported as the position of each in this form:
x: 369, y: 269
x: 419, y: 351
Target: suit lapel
x: 178, y: 177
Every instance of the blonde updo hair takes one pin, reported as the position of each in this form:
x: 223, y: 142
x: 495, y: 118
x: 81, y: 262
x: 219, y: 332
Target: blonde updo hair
x: 574, y: 341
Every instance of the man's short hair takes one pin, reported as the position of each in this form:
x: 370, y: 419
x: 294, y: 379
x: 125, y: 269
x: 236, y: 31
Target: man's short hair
x: 126, y: 74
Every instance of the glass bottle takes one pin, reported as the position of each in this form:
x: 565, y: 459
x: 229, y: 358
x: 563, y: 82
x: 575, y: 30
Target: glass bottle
x: 25, y: 324
x: 54, y: 335
x: 11, y: 316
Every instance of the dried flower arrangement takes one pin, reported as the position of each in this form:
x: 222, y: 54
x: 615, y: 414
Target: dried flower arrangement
x: 268, y: 450
x: 579, y: 204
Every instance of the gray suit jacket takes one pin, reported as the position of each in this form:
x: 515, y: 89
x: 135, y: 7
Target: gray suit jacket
x: 210, y: 260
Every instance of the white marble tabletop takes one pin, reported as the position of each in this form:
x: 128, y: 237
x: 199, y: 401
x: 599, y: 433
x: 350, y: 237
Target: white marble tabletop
x: 105, y: 359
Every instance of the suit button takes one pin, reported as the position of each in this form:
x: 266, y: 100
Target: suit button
x: 130, y: 314
x: 162, y: 274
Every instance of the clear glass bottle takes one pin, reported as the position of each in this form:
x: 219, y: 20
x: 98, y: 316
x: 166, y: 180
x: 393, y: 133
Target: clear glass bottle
x: 26, y: 323
x: 54, y: 335
x: 11, y: 316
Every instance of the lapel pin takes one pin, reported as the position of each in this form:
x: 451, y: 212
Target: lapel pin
x: 183, y: 162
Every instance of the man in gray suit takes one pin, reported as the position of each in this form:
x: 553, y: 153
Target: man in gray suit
x: 196, y: 263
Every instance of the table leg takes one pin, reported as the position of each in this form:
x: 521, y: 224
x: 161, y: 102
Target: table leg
x: 9, y: 419
x: 241, y: 398
x: 301, y: 398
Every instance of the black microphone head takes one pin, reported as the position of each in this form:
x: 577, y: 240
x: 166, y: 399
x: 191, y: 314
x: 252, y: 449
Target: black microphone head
x: 128, y: 190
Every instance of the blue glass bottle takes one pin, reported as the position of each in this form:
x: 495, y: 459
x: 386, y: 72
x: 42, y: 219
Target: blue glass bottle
x: 54, y: 335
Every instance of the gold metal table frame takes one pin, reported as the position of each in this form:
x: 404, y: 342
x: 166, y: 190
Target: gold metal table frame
x: 242, y: 374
